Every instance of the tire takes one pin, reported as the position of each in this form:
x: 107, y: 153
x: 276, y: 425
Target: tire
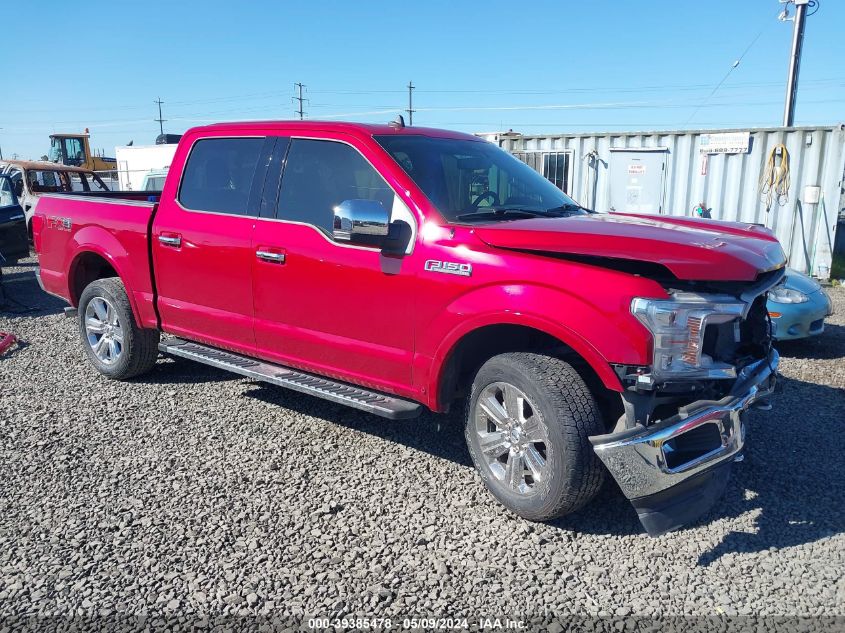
x: 560, y: 415
x: 112, y: 340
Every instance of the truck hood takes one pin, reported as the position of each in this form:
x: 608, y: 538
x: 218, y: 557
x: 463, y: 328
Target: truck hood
x: 690, y: 249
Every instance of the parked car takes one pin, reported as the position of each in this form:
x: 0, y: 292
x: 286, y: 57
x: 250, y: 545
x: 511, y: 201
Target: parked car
x: 31, y: 179
x: 798, y: 307
x: 394, y: 269
x: 13, y: 240
x: 154, y: 180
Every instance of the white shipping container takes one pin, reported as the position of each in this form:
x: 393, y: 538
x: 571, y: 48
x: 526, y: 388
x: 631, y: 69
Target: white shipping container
x: 136, y: 161
x: 675, y: 172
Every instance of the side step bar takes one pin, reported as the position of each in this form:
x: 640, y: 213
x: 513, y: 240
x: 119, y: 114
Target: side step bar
x: 381, y: 404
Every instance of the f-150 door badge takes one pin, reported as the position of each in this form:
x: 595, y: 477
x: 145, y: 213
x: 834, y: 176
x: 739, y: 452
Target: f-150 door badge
x: 450, y: 268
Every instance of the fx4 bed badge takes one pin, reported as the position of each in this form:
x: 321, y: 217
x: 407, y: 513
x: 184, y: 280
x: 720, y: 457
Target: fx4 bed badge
x: 59, y: 223
x: 451, y: 268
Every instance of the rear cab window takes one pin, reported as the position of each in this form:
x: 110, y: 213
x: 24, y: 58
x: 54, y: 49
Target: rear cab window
x: 219, y: 173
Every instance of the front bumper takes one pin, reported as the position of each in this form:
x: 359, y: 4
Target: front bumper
x: 676, y: 469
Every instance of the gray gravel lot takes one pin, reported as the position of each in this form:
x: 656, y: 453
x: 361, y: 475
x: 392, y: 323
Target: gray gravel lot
x: 191, y: 492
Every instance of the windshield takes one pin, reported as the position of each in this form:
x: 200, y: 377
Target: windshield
x: 55, y: 155
x: 475, y: 181
x: 154, y: 183
x: 48, y: 181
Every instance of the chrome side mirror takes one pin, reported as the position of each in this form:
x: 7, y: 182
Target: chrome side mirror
x: 361, y: 222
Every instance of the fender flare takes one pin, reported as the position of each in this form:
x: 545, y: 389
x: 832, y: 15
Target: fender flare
x: 561, y: 332
x: 92, y: 239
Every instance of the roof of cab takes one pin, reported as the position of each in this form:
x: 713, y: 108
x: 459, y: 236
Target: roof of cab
x: 44, y: 165
x: 365, y: 129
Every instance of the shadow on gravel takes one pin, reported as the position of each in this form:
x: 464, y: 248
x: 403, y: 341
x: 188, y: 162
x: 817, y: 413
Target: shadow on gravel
x: 792, y: 474
x: 829, y: 344
x: 438, y: 435
x: 443, y: 436
x: 21, y: 296
x: 179, y: 371
x: 610, y: 513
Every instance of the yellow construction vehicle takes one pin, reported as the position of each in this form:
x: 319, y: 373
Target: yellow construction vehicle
x: 74, y: 150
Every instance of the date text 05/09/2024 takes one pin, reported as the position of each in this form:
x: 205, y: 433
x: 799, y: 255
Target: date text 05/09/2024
x: 416, y: 623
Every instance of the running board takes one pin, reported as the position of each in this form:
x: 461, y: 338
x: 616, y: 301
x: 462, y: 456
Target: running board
x: 381, y: 404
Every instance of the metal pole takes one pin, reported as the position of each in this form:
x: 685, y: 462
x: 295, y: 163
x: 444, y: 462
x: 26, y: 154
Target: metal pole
x: 159, y: 119
x: 1, y: 149
x: 300, y: 99
x: 794, y: 62
x: 410, y: 109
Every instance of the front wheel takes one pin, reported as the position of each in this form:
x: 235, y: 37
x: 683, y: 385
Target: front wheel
x: 112, y: 341
x: 528, y: 420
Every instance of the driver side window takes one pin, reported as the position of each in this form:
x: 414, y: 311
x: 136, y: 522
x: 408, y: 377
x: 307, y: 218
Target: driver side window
x: 319, y: 175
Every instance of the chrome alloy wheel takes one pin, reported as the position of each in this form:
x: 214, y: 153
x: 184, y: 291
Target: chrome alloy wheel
x: 103, y: 330
x: 512, y: 437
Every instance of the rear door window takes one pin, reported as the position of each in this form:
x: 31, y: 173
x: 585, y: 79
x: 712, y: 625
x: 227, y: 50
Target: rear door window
x: 319, y: 175
x: 219, y: 173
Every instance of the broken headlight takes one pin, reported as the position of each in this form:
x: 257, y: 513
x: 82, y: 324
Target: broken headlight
x: 678, y: 326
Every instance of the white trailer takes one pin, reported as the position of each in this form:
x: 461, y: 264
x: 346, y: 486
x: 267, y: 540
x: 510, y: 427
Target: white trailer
x: 136, y: 161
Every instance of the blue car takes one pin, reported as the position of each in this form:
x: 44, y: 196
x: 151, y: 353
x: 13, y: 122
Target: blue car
x: 798, y: 307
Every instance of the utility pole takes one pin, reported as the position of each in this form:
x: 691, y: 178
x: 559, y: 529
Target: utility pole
x: 794, y: 58
x: 159, y: 119
x: 300, y: 99
x: 1, y: 149
x: 410, y: 109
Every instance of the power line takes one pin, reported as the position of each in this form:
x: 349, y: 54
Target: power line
x: 159, y: 119
x: 820, y: 83
x: 300, y: 99
x: 727, y: 74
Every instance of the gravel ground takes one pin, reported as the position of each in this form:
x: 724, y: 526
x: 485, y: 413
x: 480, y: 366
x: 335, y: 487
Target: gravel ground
x: 191, y: 493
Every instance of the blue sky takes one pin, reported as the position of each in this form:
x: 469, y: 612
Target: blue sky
x: 478, y: 65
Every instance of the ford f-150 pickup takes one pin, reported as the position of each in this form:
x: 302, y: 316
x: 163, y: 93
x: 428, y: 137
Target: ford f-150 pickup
x: 393, y: 269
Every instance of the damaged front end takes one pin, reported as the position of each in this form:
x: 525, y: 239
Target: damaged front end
x: 683, y: 427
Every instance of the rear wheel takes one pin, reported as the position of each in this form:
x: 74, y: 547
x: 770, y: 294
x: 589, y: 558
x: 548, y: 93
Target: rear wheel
x: 528, y: 420
x: 112, y: 340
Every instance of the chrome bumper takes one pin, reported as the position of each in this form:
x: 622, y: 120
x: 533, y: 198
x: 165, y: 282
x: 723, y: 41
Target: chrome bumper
x: 641, y: 460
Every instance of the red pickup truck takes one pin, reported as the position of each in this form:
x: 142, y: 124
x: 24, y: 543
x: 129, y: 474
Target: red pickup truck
x: 393, y: 269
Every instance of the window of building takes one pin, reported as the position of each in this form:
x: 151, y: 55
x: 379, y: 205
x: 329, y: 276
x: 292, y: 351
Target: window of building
x: 556, y: 169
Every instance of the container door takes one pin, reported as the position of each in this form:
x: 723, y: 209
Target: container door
x: 637, y: 181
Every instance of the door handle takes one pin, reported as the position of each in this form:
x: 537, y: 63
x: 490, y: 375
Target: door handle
x: 170, y: 240
x: 269, y: 256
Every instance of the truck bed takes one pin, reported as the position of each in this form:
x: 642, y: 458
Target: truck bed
x: 76, y: 234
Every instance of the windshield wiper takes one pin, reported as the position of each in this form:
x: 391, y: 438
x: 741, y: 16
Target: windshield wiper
x: 570, y: 208
x: 503, y: 213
